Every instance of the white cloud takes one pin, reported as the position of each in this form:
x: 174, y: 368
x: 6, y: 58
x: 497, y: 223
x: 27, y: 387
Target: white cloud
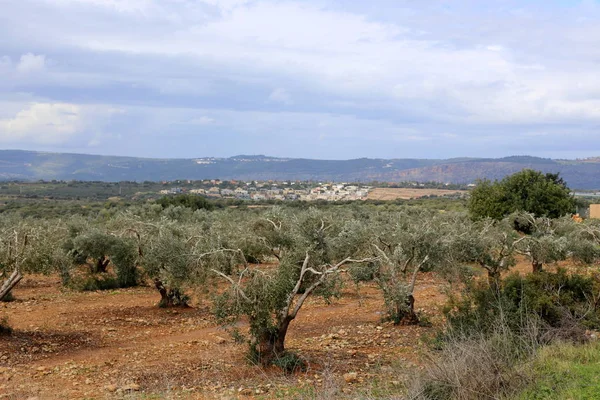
x: 452, y: 64
x: 280, y: 95
x: 31, y: 63
x: 43, y: 123
x: 203, y: 120
x: 349, y: 55
x: 53, y: 123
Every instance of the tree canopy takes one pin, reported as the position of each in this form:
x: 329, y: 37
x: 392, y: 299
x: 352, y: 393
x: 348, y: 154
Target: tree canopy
x: 544, y: 195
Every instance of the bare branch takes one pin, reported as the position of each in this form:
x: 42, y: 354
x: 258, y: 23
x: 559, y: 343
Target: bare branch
x: 322, y: 277
x: 239, y: 251
x: 277, y: 227
x: 413, y: 280
x: 235, y: 286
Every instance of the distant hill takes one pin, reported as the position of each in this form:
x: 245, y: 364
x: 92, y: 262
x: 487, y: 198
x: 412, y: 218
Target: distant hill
x: 30, y: 165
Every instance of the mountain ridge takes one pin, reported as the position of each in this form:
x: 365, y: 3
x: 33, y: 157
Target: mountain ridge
x: 33, y: 165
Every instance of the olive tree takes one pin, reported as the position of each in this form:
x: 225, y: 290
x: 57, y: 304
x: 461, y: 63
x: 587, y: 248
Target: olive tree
x: 165, y: 250
x: 319, y: 248
x: 408, y: 243
x: 28, y: 246
x: 542, y: 244
x: 584, y: 240
x: 98, y: 249
x: 167, y: 261
x: 488, y: 243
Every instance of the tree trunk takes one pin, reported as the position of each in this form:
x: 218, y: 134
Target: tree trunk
x: 405, y: 312
x: 272, y: 343
x: 266, y: 348
x: 537, y: 266
x: 10, y: 283
x: 494, y: 279
x: 170, y: 297
x: 102, y: 264
x: 281, y: 333
x: 164, y: 298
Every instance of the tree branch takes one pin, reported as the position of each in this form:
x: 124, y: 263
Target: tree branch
x: 235, y: 286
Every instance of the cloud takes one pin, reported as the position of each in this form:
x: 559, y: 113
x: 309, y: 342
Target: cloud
x: 203, y: 120
x: 397, y: 70
x: 280, y: 95
x: 53, y: 123
x: 42, y: 122
x: 30, y: 63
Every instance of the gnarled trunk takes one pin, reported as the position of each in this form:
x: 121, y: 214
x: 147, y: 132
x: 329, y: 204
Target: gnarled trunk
x: 494, y: 279
x: 537, y: 266
x: 101, y: 265
x: 10, y: 283
x: 172, y: 297
x: 405, y: 312
x: 271, y: 344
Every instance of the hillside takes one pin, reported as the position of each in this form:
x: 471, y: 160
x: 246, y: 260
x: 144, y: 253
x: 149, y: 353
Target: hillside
x: 29, y: 165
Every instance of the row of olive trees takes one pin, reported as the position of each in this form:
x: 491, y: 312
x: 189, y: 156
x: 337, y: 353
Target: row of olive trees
x: 273, y: 260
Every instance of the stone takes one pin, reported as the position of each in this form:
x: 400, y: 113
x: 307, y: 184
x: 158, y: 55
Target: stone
x: 111, y: 388
x: 351, y: 377
x: 220, y: 340
x: 132, y: 387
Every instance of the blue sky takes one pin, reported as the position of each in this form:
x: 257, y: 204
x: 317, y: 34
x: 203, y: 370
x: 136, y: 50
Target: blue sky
x: 326, y: 79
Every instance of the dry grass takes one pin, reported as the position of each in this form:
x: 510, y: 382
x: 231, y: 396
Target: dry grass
x: 409, y: 193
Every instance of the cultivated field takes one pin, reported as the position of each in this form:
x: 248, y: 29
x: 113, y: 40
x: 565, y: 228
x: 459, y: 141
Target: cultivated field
x: 409, y: 193
x: 119, y: 344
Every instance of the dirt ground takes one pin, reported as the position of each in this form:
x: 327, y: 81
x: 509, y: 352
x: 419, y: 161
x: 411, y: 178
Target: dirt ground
x: 118, y: 344
x: 409, y: 193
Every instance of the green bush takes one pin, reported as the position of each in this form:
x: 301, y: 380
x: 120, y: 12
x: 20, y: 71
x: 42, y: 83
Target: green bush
x: 562, y: 302
x: 97, y: 282
x: 362, y: 272
x: 290, y: 363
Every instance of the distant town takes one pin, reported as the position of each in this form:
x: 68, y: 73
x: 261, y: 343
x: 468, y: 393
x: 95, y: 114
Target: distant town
x: 270, y: 190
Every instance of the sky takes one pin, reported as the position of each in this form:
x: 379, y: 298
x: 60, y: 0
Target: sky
x: 325, y: 79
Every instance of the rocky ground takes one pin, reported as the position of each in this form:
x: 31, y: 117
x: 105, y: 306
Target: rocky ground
x: 118, y: 344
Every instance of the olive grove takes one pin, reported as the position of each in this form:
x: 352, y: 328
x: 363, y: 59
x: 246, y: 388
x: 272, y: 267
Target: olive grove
x: 263, y: 265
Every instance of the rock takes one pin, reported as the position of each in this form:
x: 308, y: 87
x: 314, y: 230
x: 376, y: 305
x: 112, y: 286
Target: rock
x: 132, y: 387
x: 220, y: 340
x: 111, y: 388
x: 351, y: 377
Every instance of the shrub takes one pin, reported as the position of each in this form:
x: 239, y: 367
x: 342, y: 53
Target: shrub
x: 480, y: 367
x: 97, y: 282
x: 362, y: 272
x: 563, y: 303
x: 290, y: 363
